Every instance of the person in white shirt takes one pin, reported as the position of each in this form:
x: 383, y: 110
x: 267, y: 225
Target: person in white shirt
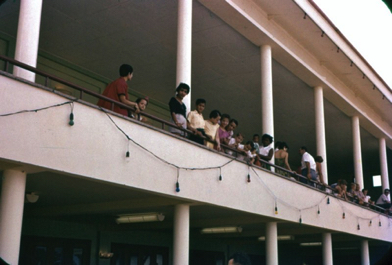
x: 266, y: 150
x: 383, y: 201
x: 308, y: 165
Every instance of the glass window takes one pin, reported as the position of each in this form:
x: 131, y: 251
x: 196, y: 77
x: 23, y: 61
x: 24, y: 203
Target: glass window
x: 58, y: 256
x: 40, y: 254
x: 159, y: 259
x: 146, y: 260
x: 77, y: 256
x: 133, y: 260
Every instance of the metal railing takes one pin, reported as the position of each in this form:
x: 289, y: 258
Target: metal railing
x: 163, y: 124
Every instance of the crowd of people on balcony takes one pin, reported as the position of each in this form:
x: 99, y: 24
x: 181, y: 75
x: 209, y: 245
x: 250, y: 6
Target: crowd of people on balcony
x: 219, y: 129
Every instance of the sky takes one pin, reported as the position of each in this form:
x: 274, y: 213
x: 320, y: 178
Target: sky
x: 367, y: 24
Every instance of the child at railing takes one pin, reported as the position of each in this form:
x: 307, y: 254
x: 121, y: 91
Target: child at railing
x: 196, y: 121
x: 178, y: 109
x: 142, y: 104
x: 256, y: 139
x: 235, y: 143
x: 211, y: 129
x: 249, y: 152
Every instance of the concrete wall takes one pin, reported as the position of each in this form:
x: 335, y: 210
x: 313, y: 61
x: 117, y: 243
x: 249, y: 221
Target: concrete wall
x: 94, y: 148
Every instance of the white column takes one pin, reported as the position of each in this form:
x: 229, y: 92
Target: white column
x: 27, y: 38
x: 327, y: 249
x: 11, y: 214
x: 267, y: 106
x: 357, y: 151
x: 365, y: 252
x: 271, y: 243
x: 320, y: 129
x: 384, y: 164
x: 181, y: 235
x: 184, y: 46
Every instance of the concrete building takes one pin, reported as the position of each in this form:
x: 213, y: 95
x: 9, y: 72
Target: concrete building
x: 278, y: 67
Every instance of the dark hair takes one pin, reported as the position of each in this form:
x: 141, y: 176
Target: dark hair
x: 239, y: 134
x: 281, y: 145
x: 343, y: 182
x: 304, y: 148
x: 386, y: 190
x: 200, y: 101
x: 240, y: 258
x: 234, y: 120
x: 225, y: 116
x: 214, y: 114
x: 125, y: 69
x: 254, y: 135
x: 183, y: 85
x: 252, y: 145
x: 140, y: 99
x: 267, y: 136
x: 319, y: 159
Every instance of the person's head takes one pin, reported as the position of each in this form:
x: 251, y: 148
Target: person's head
x: 215, y: 116
x: 282, y: 146
x: 126, y: 71
x: 357, y: 187
x: 142, y: 103
x: 239, y: 138
x: 353, y: 186
x: 239, y: 258
x: 319, y: 159
x: 386, y: 192
x: 343, y: 183
x: 200, y: 105
x: 182, y: 90
x: 303, y: 150
x: 224, y: 121
x: 365, y: 191
x: 232, y: 125
x: 256, y: 138
x: 266, y: 139
x: 249, y: 145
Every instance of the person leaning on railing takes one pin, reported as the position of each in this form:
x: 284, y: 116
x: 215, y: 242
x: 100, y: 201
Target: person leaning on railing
x: 136, y: 113
x: 211, y: 129
x: 340, y: 188
x: 118, y: 91
x: 196, y: 122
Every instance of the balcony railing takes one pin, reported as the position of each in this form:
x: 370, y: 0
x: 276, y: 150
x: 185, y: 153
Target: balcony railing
x: 165, y: 124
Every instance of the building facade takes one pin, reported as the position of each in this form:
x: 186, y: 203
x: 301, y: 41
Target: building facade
x: 70, y: 170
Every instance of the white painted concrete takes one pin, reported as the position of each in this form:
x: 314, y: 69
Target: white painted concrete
x: 357, y: 151
x: 184, y: 47
x: 94, y: 140
x: 320, y: 129
x: 267, y: 99
x: 271, y: 243
x: 27, y: 38
x: 11, y: 214
x: 365, y: 260
x: 384, y: 164
x: 327, y: 249
x: 181, y: 235
x: 267, y: 90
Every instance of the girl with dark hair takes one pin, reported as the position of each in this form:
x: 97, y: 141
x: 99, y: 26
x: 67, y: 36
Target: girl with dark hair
x: 282, y: 158
x: 178, y: 109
